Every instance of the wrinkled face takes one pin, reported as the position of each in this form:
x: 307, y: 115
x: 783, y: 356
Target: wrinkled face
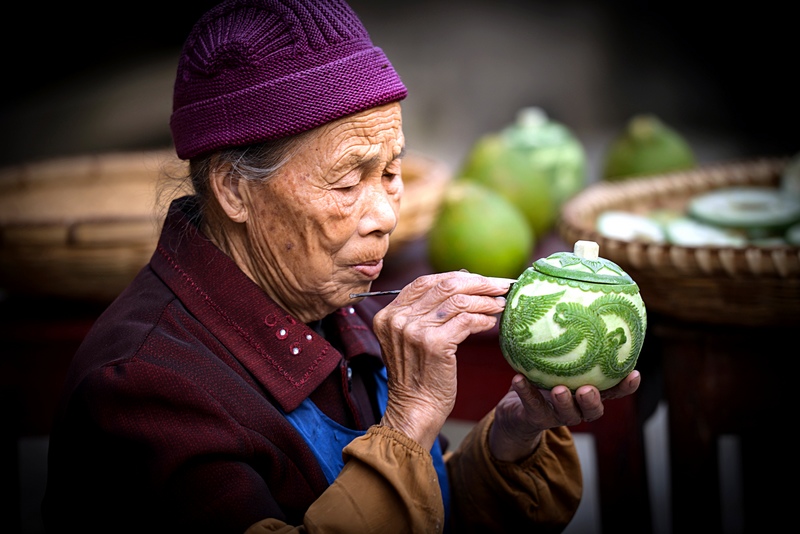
x: 319, y: 229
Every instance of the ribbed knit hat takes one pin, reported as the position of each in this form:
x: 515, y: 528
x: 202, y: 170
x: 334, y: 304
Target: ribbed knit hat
x: 255, y: 70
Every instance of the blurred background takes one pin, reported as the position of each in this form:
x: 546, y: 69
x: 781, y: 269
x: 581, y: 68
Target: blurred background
x: 78, y: 79
x: 86, y: 80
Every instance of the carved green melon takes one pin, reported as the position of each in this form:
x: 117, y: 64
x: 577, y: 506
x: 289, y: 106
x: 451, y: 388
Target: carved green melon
x: 573, y: 319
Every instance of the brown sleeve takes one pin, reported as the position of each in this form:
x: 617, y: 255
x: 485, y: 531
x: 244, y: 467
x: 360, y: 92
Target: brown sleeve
x: 488, y: 495
x: 388, y: 485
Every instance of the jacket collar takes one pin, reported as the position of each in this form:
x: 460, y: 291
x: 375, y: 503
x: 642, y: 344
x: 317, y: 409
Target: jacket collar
x: 284, y: 355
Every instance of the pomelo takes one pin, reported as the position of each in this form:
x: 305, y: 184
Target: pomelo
x: 478, y: 230
x: 647, y: 146
x: 536, y: 163
x: 573, y: 319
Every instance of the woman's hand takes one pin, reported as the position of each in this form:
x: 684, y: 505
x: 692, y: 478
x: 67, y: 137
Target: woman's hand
x: 419, y: 332
x: 526, y: 411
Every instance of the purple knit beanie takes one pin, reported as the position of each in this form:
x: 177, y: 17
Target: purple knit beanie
x: 255, y: 70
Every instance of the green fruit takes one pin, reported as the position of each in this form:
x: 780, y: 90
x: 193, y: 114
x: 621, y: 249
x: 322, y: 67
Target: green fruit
x: 535, y: 163
x: 688, y: 232
x: 793, y: 235
x: 478, y: 230
x: 747, y: 208
x: 573, y: 319
x: 645, y: 147
x: 790, y: 177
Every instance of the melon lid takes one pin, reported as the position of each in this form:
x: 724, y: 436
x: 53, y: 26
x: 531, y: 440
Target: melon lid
x: 584, y: 265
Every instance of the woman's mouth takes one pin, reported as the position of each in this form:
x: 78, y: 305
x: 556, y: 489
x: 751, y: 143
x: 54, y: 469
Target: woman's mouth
x: 370, y: 269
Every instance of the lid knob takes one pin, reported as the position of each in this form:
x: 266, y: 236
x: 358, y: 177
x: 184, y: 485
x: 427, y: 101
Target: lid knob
x: 587, y: 249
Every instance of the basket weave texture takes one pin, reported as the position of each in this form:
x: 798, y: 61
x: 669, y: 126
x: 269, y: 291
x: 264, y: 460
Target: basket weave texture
x: 749, y: 286
x: 82, y: 227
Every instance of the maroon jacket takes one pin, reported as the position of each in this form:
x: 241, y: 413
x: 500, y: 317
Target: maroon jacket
x: 172, y: 420
x: 159, y: 417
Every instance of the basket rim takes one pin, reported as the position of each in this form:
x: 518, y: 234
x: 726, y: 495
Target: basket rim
x: 578, y: 215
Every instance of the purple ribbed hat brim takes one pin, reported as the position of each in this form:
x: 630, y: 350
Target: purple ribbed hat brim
x: 286, y: 106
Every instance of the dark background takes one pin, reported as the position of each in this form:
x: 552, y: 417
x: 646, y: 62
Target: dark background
x: 710, y: 69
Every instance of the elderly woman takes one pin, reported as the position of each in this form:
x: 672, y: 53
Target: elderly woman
x: 235, y: 384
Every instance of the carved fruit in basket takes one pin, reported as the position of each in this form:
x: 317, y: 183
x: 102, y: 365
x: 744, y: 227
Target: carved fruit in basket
x: 573, y: 319
x: 790, y: 177
x: 536, y: 163
x: 757, y: 211
x: 647, y: 146
x: 478, y: 230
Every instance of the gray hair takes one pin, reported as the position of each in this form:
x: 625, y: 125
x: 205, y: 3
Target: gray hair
x: 256, y: 163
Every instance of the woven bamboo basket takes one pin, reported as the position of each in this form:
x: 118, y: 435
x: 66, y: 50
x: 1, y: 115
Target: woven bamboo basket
x: 749, y: 286
x: 82, y: 227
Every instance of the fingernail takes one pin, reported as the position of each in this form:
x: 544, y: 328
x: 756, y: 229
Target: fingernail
x: 588, y: 396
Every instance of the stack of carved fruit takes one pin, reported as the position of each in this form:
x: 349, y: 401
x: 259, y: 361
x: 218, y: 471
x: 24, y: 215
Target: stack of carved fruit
x: 534, y: 165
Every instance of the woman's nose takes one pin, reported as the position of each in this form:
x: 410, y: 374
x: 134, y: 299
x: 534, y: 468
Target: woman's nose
x: 381, y: 214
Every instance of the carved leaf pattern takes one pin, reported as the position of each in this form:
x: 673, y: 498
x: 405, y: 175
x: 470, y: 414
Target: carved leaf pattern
x: 580, y: 323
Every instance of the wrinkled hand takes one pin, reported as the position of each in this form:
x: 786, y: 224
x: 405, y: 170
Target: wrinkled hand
x: 526, y: 411
x: 419, y: 332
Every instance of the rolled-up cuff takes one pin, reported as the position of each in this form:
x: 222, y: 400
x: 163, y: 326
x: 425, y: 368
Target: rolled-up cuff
x: 388, y: 485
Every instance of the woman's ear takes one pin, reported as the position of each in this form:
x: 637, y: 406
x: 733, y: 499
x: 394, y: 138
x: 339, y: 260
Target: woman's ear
x: 227, y: 190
